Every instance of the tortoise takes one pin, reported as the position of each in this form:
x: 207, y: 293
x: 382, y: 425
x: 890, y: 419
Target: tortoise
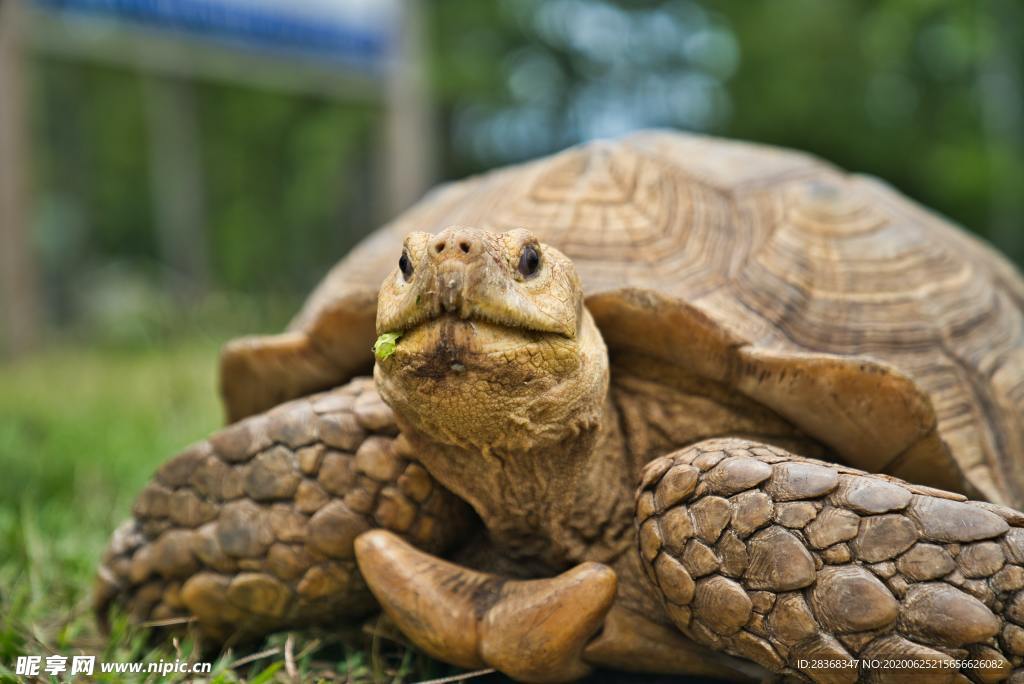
x: 663, y: 403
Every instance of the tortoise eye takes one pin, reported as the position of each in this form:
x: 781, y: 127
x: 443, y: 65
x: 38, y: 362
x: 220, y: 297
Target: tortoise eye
x: 405, y: 266
x: 529, y: 261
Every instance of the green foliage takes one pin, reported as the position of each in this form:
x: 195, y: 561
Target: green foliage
x: 897, y: 90
x: 285, y: 177
x: 385, y: 345
x: 926, y: 94
x: 286, y: 183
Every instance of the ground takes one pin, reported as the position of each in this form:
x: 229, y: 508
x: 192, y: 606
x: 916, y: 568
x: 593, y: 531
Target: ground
x: 81, y: 431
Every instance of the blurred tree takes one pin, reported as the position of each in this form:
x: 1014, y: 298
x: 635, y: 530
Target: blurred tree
x: 902, y: 90
x: 286, y: 181
x: 288, y: 185
x: 924, y: 93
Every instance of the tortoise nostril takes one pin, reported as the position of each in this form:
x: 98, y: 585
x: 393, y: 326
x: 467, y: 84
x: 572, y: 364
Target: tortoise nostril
x: 439, y: 247
x: 464, y: 246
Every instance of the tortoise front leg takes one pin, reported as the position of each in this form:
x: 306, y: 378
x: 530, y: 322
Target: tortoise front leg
x: 818, y: 569
x: 532, y: 630
x: 252, y: 530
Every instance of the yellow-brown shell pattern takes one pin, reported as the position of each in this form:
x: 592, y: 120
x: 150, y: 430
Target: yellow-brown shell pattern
x: 783, y: 250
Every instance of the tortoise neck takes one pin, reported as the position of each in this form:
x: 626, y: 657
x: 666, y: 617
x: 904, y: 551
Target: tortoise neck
x: 520, y: 436
x: 561, y: 504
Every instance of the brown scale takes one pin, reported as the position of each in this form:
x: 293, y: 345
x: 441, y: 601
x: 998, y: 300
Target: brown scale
x: 252, y: 530
x: 769, y: 297
x: 886, y: 569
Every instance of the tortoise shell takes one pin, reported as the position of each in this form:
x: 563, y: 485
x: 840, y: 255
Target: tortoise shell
x: 819, y: 276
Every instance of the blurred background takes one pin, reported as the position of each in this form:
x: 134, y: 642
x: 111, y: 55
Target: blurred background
x: 201, y: 152
x: 173, y: 174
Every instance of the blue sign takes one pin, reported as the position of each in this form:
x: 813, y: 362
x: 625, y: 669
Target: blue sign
x: 357, y: 32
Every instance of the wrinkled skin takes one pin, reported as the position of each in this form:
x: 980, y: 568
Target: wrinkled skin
x: 499, y: 380
x: 743, y: 557
x: 490, y: 359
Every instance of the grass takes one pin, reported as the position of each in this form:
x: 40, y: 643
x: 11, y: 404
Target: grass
x: 81, y: 431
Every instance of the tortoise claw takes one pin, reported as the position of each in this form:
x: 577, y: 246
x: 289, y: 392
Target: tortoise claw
x: 537, y: 629
x: 532, y: 630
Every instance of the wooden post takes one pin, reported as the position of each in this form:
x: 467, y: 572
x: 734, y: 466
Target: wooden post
x: 19, y: 297
x: 410, y: 139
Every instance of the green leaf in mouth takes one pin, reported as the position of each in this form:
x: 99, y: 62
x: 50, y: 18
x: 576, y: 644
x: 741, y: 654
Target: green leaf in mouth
x: 385, y: 345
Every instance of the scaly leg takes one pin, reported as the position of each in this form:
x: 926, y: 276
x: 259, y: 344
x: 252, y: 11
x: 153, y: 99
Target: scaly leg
x: 531, y: 630
x: 252, y: 530
x: 815, y: 569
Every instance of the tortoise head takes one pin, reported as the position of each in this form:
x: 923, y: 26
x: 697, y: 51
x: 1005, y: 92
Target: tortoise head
x: 496, y: 350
